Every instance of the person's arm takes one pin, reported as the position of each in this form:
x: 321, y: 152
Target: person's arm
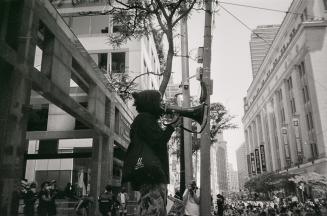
x: 196, y: 197
x: 185, y: 195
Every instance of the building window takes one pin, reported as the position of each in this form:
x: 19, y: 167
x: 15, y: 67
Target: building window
x: 314, y: 150
x: 293, y: 108
x: 301, y: 69
x: 116, y: 26
x: 289, y: 83
x: 102, y: 60
x: 282, y: 112
x: 325, y: 3
x: 118, y: 62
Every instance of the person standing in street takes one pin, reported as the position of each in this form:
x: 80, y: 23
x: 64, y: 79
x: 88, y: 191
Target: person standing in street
x: 191, y: 199
x: 148, y: 172
x: 106, y: 201
x: 122, y: 199
x: 220, y: 204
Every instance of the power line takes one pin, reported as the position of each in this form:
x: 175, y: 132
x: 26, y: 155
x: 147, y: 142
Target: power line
x: 267, y: 9
x: 245, y: 25
x: 238, y: 19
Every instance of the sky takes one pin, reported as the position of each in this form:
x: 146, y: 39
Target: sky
x: 231, y: 70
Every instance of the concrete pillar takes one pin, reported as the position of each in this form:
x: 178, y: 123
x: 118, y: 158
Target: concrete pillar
x: 273, y: 145
x: 299, y: 104
x: 278, y: 129
x: 266, y: 139
x: 14, y: 102
x: 288, y: 121
x: 102, y: 148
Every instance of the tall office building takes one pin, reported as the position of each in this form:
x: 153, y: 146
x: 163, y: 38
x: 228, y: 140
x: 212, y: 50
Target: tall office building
x: 285, y: 108
x: 232, y: 175
x: 222, y: 164
x: 261, y: 40
x: 242, y: 167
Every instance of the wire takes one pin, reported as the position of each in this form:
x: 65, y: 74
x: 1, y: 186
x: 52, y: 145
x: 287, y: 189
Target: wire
x: 316, y: 81
x: 246, y: 26
x: 267, y: 9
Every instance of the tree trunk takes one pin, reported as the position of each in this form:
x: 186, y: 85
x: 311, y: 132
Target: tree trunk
x: 169, y: 63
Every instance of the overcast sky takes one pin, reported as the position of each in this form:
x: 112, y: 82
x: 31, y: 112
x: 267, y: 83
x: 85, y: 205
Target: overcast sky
x: 231, y: 63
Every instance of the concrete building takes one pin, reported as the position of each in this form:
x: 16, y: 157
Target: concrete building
x: 91, y: 24
x: 285, y: 108
x: 214, y: 170
x: 38, y: 104
x: 233, y: 185
x: 261, y: 40
x: 242, y: 165
x: 221, y: 156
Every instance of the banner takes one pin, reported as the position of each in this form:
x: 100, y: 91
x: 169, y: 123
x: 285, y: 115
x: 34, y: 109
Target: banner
x: 263, y: 158
x: 249, y: 164
x: 253, y: 164
x: 257, y: 160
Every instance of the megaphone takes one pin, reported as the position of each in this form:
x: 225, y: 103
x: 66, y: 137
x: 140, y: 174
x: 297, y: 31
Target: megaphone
x: 198, y: 113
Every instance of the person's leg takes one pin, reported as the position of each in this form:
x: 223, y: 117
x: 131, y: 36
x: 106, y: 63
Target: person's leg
x: 153, y: 200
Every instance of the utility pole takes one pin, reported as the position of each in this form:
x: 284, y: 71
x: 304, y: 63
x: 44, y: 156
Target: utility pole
x: 205, y: 187
x: 186, y: 102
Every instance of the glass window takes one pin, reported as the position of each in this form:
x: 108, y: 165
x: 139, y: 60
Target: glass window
x: 81, y: 25
x: 325, y: 3
x: 102, y: 61
x: 118, y: 62
x: 116, y: 26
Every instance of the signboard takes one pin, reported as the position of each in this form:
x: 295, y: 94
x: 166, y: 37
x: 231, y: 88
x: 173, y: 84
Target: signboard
x: 257, y: 160
x: 249, y: 164
x: 253, y: 164
x: 263, y: 158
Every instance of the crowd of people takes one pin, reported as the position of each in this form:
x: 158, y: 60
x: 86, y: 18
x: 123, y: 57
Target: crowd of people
x: 270, y: 208
x: 43, y: 202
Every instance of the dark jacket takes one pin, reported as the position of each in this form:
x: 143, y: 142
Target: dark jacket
x: 146, y: 127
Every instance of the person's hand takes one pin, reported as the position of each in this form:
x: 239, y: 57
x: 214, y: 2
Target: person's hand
x: 177, y: 122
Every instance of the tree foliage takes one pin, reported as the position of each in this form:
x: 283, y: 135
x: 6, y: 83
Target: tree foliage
x: 139, y: 18
x: 220, y: 120
x: 268, y: 182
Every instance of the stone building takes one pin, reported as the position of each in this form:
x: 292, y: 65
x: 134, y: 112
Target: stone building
x: 285, y: 109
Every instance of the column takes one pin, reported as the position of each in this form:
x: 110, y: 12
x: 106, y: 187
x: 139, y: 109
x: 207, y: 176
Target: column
x: 278, y: 133
x: 288, y: 119
x: 14, y: 100
x: 270, y: 113
x: 299, y: 104
x: 262, y: 148
x: 96, y: 106
x: 267, y: 140
x: 257, y: 146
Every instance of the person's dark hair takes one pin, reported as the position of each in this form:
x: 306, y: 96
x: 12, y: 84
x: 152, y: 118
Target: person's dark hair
x: 148, y: 101
x: 43, y: 184
x: 108, y: 188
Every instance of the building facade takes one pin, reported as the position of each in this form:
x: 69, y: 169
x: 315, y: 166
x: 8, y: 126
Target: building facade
x: 285, y: 108
x: 261, y: 40
x: 242, y: 165
x: 221, y: 156
x: 91, y: 23
x: 233, y: 185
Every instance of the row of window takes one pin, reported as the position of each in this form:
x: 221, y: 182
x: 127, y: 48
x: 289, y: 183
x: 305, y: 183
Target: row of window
x: 98, y: 24
x: 114, y: 62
